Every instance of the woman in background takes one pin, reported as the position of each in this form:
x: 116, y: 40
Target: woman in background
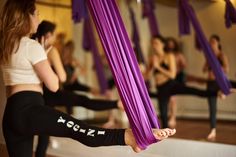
x: 72, y: 67
x: 212, y: 84
x: 172, y: 46
x: 163, y: 67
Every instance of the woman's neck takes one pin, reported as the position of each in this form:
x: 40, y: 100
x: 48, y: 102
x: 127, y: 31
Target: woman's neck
x: 161, y: 53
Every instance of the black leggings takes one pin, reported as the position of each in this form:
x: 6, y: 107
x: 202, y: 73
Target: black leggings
x: 212, y: 102
x: 26, y: 115
x: 172, y: 87
x: 71, y: 99
x: 233, y: 83
x: 77, y: 86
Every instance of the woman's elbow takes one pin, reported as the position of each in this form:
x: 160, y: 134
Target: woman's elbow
x: 63, y: 79
x: 55, y: 88
x: 173, y: 76
x: 54, y: 85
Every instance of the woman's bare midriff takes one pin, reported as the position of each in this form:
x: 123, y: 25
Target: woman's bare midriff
x: 10, y: 90
x: 160, y: 79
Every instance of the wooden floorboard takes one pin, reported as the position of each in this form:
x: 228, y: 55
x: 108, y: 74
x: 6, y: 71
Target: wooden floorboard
x: 199, y: 129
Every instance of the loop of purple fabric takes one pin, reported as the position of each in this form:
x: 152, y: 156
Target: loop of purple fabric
x: 125, y: 69
x: 149, y: 12
x: 86, y: 44
x: 189, y: 14
x: 88, y: 32
x: 136, y: 37
x: 230, y: 14
x: 79, y: 10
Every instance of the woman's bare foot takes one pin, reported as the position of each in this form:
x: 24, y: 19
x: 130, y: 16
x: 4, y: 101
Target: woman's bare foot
x: 109, y: 124
x: 120, y: 105
x: 233, y: 90
x: 221, y: 95
x: 212, y: 135
x: 159, y: 134
x: 172, y: 122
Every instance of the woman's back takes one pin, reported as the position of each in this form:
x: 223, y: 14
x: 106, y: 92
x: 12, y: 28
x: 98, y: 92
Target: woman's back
x: 19, y: 74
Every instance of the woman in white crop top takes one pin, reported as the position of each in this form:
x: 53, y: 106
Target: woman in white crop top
x: 25, y: 66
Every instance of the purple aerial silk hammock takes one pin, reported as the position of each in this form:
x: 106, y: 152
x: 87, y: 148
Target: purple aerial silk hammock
x: 230, y: 14
x: 86, y: 44
x: 79, y: 10
x: 88, y: 32
x: 187, y: 15
x: 149, y: 12
x: 125, y: 69
x: 197, y: 43
x: 136, y: 38
x: 148, y: 6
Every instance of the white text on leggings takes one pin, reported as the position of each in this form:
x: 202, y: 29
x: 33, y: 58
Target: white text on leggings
x: 76, y: 127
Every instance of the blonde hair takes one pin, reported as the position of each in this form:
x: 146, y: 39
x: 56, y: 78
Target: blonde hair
x: 14, y: 24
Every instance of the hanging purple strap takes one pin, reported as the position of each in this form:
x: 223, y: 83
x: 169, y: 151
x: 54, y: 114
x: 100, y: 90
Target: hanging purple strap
x: 125, y: 69
x: 230, y: 14
x: 211, y: 58
x: 197, y: 43
x: 86, y: 44
x: 149, y: 12
x: 136, y: 38
x: 79, y: 10
x: 184, y: 23
x: 148, y: 6
x: 88, y: 32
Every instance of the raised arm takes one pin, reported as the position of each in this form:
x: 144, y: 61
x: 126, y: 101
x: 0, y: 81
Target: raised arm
x: 47, y: 75
x: 55, y: 61
x: 171, y: 72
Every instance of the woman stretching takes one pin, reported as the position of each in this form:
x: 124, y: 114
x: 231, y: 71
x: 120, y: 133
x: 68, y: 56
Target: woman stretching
x: 163, y: 67
x: 212, y: 84
x: 25, y: 66
x: 45, y: 32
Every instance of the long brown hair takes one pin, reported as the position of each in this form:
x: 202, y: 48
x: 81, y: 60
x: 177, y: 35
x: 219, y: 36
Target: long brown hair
x: 14, y: 24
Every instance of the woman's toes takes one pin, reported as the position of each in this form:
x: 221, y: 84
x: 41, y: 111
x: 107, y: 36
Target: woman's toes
x: 137, y: 149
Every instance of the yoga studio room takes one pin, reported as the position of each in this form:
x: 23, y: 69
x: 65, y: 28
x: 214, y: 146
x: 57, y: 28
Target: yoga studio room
x: 117, y: 78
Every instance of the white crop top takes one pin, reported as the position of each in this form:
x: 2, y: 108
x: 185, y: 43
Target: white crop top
x: 20, y: 70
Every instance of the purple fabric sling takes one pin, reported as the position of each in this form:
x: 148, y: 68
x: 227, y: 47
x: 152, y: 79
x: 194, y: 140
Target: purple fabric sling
x: 79, y: 10
x: 148, y: 11
x: 230, y: 14
x: 187, y: 16
x: 125, y: 69
x: 86, y: 44
x: 136, y: 38
x: 88, y: 32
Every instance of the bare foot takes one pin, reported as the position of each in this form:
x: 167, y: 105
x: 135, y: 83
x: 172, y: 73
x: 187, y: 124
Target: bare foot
x: 109, y: 124
x: 221, y: 95
x: 172, y: 122
x: 212, y: 135
x: 159, y: 134
x: 233, y: 90
x: 120, y: 105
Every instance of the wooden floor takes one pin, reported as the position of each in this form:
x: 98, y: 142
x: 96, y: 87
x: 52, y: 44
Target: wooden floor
x: 198, y: 130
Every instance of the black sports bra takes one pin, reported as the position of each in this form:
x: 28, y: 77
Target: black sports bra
x: 163, y: 65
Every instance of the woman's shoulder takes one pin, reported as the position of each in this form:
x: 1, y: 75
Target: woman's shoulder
x: 31, y: 43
